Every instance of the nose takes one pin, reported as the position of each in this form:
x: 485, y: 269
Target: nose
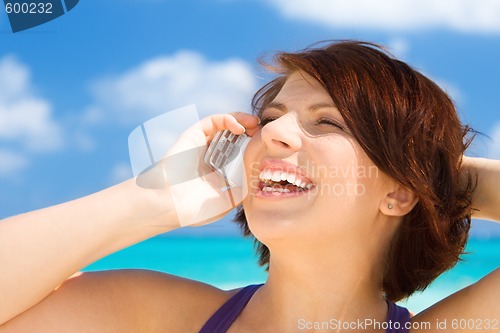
x: 283, y: 135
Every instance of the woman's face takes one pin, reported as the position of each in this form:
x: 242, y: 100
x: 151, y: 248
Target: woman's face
x: 305, y: 171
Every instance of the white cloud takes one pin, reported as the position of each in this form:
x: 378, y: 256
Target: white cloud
x: 169, y: 82
x: 481, y: 16
x: 26, y: 120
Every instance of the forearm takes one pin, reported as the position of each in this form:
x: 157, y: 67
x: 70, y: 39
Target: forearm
x: 486, y: 196
x: 41, y: 249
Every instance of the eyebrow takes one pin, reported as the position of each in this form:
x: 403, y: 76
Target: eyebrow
x: 319, y: 106
x: 314, y: 107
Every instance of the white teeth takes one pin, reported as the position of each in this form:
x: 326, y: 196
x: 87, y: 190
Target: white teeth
x: 275, y: 189
x: 266, y: 175
x: 276, y: 177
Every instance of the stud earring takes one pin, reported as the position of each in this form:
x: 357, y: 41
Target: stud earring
x: 389, y: 206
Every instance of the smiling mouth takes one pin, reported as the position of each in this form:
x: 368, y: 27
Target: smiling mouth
x: 279, y: 181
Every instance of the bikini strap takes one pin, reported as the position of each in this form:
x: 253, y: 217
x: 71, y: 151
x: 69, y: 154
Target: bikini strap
x: 397, y: 317
x: 222, y: 319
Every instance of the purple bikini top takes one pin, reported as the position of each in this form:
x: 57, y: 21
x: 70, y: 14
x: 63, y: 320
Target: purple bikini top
x: 222, y: 319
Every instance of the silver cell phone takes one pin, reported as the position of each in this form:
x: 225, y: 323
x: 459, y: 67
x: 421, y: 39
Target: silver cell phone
x: 225, y: 156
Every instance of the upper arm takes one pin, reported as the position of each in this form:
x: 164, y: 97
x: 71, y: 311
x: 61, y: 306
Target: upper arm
x: 485, y: 197
x: 121, y: 301
x: 477, y: 303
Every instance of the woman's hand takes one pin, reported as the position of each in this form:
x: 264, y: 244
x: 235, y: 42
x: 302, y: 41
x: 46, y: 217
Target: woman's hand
x: 195, y: 191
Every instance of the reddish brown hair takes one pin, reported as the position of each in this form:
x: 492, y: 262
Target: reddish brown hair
x: 409, y: 128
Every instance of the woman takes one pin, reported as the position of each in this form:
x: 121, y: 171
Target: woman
x: 357, y: 188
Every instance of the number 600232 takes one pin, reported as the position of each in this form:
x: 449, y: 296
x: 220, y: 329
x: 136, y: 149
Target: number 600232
x: 28, y: 8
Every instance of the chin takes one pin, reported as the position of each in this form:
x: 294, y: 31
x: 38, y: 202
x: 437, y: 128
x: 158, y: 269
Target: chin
x: 274, y: 224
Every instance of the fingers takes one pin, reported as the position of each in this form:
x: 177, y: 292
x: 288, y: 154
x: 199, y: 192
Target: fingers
x: 247, y: 120
x: 237, y: 123
x: 250, y: 122
x: 252, y: 131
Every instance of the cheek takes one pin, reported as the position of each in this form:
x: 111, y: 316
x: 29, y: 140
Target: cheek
x: 344, y: 171
x: 251, y: 151
x: 251, y: 158
x: 334, y: 160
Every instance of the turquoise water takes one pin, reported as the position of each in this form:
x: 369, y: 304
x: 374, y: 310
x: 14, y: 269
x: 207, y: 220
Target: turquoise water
x: 230, y: 262
x: 226, y: 262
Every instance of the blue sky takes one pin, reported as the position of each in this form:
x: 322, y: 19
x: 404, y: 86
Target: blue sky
x: 72, y: 90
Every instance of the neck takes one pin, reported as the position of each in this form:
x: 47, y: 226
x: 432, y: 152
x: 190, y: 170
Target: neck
x: 305, y: 287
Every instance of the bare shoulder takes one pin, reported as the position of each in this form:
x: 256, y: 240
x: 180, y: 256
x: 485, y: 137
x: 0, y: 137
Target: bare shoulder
x: 472, y: 309
x: 122, y: 301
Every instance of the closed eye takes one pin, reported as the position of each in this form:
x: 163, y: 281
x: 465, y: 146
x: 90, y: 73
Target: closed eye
x: 326, y: 121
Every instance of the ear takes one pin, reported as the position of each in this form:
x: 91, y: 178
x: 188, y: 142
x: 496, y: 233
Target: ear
x: 399, y: 202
